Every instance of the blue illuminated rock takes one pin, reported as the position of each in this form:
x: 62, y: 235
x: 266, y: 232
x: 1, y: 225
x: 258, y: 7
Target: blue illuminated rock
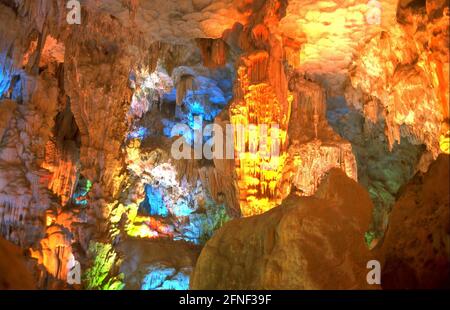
x: 160, y: 277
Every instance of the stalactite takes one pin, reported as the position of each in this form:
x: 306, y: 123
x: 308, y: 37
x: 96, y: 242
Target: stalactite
x: 62, y: 156
x: 260, y: 101
x: 257, y: 64
x: 214, y: 52
x: 54, y: 252
x: 186, y: 83
x: 314, y: 147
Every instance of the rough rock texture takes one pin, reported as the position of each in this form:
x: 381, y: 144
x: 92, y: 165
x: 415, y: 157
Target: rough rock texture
x: 306, y: 243
x: 380, y: 170
x: 176, y: 195
x: 23, y: 190
x: 314, y: 148
x: 392, y: 68
x: 329, y: 33
x: 416, y: 249
x: 141, y: 256
x: 176, y: 21
x: 388, y: 60
x: 14, y: 274
x: 31, y: 76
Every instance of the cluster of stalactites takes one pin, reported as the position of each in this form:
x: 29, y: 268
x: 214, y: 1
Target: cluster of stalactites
x: 261, y: 105
x: 314, y: 147
x: 309, y: 103
x: 63, y: 166
x: 214, y: 52
x: 257, y: 106
x: 405, y: 70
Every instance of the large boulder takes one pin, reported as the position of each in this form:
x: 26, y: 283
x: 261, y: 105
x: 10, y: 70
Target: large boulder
x: 416, y: 248
x: 306, y: 243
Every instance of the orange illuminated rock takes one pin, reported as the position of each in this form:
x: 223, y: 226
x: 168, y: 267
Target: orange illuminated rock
x: 330, y: 32
x: 14, y: 274
x: 306, y: 243
x: 214, y: 52
x: 405, y: 70
x: 63, y: 165
x: 55, y: 251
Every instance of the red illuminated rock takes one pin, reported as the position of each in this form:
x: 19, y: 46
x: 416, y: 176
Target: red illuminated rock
x: 416, y: 248
x: 14, y: 274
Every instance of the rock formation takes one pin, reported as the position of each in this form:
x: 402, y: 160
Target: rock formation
x: 306, y: 243
x: 314, y: 147
x: 393, y: 67
x: 416, y: 248
x: 14, y: 274
x: 91, y: 114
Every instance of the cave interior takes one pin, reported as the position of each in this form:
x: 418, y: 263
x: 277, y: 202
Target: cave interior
x: 224, y: 144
